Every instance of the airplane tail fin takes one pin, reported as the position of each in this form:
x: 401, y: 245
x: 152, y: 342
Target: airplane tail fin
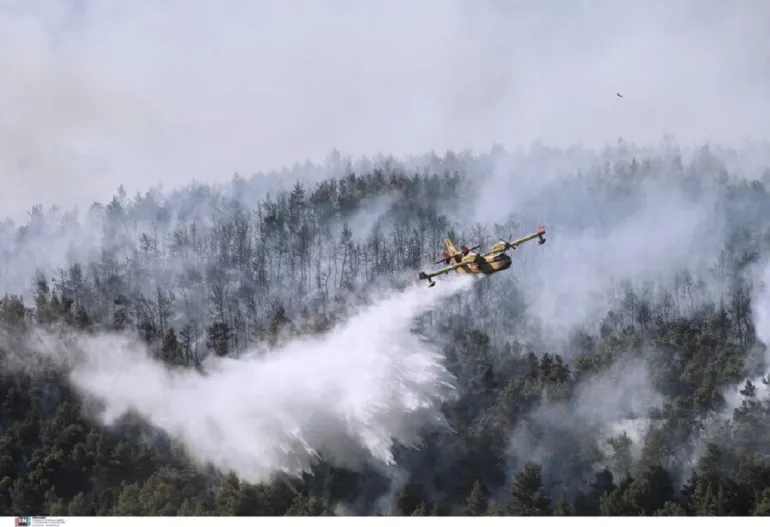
x: 450, y: 247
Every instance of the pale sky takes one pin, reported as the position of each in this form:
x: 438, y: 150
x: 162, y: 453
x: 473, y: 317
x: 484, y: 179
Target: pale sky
x: 98, y: 93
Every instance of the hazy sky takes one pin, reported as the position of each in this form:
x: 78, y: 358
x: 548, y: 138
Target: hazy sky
x: 98, y: 93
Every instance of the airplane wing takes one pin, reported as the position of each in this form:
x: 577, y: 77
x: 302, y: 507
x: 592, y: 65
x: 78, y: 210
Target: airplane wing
x: 499, y: 247
x: 443, y: 270
x: 537, y: 234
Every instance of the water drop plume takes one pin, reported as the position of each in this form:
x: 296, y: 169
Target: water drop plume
x: 347, y: 397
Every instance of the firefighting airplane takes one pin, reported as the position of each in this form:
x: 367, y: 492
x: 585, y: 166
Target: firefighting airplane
x: 465, y: 261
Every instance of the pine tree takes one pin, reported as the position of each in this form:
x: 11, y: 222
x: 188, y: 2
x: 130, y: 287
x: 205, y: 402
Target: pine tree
x: 171, y: 350
x: 477, y: 502
x: 527, y: 495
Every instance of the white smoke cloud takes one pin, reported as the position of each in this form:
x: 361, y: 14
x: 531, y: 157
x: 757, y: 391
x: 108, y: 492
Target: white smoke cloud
x: 578, y: 268
x: 347, y: 397
x: 761, y: 311
x: 614, y: 401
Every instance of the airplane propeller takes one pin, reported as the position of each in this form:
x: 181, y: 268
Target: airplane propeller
x: 540, y: 239
x: 466, y: 251
x: 508, y: 243
x: 445, y: 256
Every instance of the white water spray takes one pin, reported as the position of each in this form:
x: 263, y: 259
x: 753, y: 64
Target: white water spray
x: 346, y: 397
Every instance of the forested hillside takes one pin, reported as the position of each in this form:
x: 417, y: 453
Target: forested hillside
x: 616, y: 370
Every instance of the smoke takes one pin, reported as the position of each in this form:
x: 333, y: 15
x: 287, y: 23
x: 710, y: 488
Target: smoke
x: 347, y: 397
x: 608, y: 404
x: 97, y: 94
x: 628, y: 218
x: 759, y: 363
x: 668, y: 233
x: 756, y: 364
x: 761, y: 312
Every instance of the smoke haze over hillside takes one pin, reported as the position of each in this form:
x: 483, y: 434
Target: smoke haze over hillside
x: 95, y: 94
x: 649, y: 237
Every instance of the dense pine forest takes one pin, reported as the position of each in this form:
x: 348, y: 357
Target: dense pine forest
x: 619, y: 369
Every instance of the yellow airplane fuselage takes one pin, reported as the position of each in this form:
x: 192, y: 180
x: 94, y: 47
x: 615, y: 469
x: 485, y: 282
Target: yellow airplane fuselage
x: 475, y: 263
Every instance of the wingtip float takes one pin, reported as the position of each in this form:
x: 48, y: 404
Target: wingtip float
x: 466, y: 261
